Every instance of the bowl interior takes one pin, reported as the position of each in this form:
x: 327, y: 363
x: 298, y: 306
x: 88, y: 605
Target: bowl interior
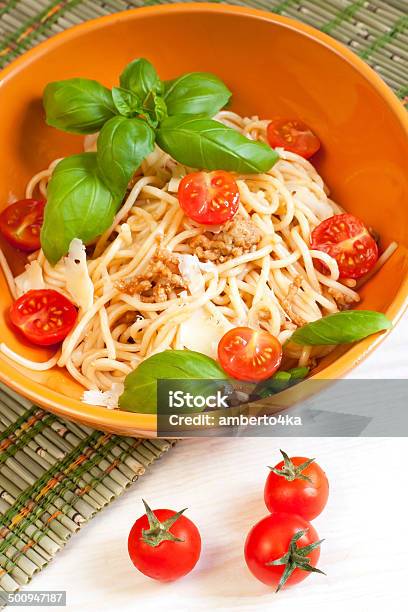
x: 273, y: 68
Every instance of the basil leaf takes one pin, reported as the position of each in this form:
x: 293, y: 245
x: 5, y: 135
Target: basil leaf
x: 196, y: 93
x: 79, y: 205
x: 126, y: 102
x: 199, y: 142
x: 140, y: 76
x: 159, y: 110
x: 78, y: 105
x: 341, y: 328
x: 140, y: 394
x: 122, y: 146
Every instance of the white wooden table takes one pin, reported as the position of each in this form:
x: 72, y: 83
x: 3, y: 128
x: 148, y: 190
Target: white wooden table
x: 221, y: 481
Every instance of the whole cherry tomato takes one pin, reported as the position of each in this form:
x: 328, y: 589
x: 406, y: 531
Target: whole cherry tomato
x: 296, y: 485
x: 164, y: 545
x: 282, y: 549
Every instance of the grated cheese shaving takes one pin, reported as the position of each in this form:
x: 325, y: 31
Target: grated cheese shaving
x: 31, y: 278
x: 78, y: 282
x: 106, y: 399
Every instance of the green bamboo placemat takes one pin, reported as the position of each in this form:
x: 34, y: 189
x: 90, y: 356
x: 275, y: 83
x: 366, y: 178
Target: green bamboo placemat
x: 55, y: 475
x: 377, y: 30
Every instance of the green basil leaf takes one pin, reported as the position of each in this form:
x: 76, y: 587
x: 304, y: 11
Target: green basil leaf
x: 126, y: 102
x: 140, y: 394
x: 78, y: 105
x: 196, y: 93
x: 140, y: 76
x: 341, y: 328
x: 159, y: 111
x: 199, y: 142
x: 79, y: 205
x: 122, y: 146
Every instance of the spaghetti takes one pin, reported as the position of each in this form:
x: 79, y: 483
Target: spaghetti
x: 274, y: 285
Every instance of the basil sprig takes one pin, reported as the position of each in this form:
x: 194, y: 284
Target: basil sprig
x: 197, y: 370
x: 130, y: 118
x: 341, y: 328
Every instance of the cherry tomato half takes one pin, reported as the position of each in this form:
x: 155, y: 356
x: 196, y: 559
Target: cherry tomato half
x: 282, y: 535
x: 297, y: 485
x: 44, y: 316
x: 248, y: 354
x: 346, y: 238
x: 293, y: 135
x: 210, y: 198
x: 164, y: 545
x: 20, y: 223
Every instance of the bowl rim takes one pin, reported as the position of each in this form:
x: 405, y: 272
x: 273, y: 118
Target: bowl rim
x: 145, y: 424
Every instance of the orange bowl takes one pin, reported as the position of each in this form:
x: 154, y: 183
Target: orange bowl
x: 274, y: 66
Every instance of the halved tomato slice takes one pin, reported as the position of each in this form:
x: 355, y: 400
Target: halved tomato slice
x: 210, y: 198
x: 249, y: 354
x: 20, y: 223
x: 293, y: 135
x: 44, y: 316
x: 348, y: 241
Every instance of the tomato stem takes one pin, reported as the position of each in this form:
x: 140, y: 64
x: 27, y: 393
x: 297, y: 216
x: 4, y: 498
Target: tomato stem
x: 290, y: 471
x: 159, y: 532
x: 296, y: 558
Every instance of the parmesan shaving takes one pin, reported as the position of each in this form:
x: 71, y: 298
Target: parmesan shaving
x: 31, y: 278
x: 78, y: 282
x: 202, y: 332
x: 106, y: 399
x: 189, y: 267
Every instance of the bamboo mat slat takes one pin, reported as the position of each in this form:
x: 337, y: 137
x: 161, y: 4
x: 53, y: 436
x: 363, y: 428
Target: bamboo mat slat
x: 56, y: 475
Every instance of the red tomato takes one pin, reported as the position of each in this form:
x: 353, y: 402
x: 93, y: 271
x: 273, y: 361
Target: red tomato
x: 20, y: 223
x: 44, y: 316
x: 297, y: 485
x: 346, y: 238
x: 282, y: 535
x: 164, y: 545
x: 210, y: 198
x: 248, y: 354
x: 293, y: 135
